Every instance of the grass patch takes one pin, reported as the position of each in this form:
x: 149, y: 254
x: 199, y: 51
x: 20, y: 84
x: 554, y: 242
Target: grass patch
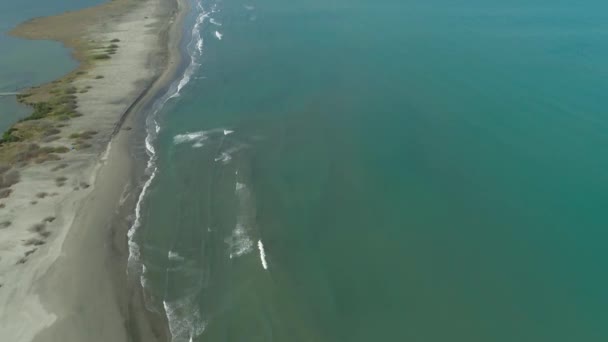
x: 101, y: 56
x: 115, y: 40
x: 51, y: 131
x: 60, y: 181
x: 33, y: 242
x: 82, y: 146
x: 98, y: 77
x: 70, y: 90
x: 9, y: 136
x: 5, y: 224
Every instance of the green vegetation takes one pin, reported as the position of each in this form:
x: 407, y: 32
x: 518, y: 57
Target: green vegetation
x: 8, y: 136
x: 83, y: 136
x: 101, y: 56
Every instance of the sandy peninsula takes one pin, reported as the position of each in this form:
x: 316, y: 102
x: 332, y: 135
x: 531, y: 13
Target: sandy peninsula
x: 66, y: 177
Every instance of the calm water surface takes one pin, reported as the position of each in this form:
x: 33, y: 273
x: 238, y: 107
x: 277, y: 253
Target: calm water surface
x: 415, y: 170
x: 25, y: 63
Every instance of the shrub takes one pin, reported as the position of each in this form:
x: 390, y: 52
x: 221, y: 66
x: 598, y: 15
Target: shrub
x: 37, y: 228
x: 101, y: 56
x: 33, y: 242
x: 8, y: 136
x: 60, y: 181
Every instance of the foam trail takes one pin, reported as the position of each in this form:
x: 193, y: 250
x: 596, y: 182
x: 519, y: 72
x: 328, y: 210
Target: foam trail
x: 184, y: 325
x: 174, y: 256
x: 197, y: 138
x: 239, y: 242
x: 215, y: 22
x: 185, y: 320
x: 196, y: 42
x: 218, y: 35
x: 239, y: 186
x: 225, y: 158
x: 262, y: 254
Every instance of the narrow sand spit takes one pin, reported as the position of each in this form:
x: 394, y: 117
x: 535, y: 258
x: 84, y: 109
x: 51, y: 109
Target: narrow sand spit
x: 62, y: 224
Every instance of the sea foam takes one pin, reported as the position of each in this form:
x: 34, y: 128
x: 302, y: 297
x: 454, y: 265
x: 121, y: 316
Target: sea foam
x: 262, y: 254
x: 185, y: 321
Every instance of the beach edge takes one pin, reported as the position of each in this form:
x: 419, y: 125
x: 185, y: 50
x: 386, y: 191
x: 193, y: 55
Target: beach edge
x: 89, y: 267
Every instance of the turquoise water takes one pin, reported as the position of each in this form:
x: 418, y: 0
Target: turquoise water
x: 24, y: 63
x: 415, y: 170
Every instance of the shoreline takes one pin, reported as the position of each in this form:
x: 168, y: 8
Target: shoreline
x: 74, y: 287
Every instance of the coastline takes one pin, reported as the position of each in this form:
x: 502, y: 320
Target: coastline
x: 73, y: 286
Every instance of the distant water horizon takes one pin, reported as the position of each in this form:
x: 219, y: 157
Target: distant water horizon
x: 381, y: 170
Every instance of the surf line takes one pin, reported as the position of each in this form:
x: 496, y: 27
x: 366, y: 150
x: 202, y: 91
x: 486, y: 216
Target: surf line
x: 262, y: 254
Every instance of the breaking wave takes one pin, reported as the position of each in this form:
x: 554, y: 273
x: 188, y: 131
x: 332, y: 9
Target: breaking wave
x: 185, y: 320
x: 184, y: 317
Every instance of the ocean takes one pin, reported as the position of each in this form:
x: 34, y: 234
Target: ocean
x: 381, y: 171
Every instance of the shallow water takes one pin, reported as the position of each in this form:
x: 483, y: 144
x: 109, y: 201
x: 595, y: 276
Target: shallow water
x: 415, y: 171
x: 24, y: 63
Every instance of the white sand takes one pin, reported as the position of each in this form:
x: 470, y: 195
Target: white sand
x: 66, y: 285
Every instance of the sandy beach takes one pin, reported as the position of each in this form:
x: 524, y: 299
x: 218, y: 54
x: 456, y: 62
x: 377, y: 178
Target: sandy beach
x: 68, y: 188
